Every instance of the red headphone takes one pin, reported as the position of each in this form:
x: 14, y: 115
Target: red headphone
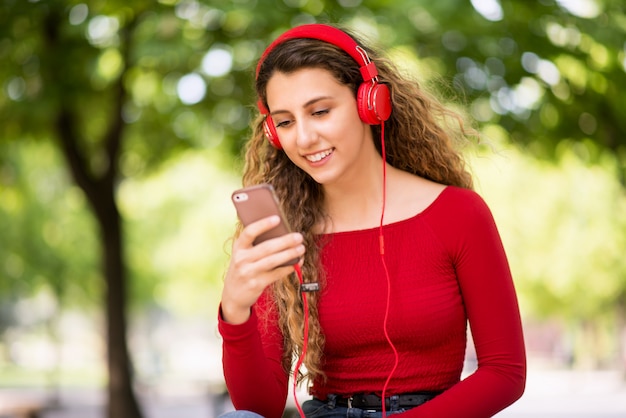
x: 373, y: 99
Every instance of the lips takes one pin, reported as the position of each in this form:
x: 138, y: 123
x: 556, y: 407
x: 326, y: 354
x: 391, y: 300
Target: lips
x: 319, y: 156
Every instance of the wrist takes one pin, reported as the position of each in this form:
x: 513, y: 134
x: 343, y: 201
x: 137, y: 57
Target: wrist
x: 234, y: 315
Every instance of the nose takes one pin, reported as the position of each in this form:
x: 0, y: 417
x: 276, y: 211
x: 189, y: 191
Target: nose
x: 306, y: 133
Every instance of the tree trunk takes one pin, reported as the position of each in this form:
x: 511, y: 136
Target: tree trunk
x: 99, y: 189
x: 100, y: 194
x: 121, y: 398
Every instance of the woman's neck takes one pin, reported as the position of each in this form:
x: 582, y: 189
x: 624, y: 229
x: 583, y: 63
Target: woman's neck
x: 358, y: 205
x: 355, y: 204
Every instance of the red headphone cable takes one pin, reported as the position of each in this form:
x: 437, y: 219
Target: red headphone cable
x: 305, y: 336
x: 382, y: 257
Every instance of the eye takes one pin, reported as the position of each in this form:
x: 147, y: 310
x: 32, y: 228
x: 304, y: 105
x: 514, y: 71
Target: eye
x: 321, y: 112
x: 283, y: 123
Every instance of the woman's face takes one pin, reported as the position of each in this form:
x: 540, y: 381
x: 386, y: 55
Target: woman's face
x: 318, y: 124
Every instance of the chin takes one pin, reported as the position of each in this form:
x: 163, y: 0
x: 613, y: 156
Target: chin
x: 322, y: 180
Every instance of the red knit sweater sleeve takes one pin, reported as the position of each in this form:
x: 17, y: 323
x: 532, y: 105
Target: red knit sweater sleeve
x: 467, y: 227
x: 251, y: 358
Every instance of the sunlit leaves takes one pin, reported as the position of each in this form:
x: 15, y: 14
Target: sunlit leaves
x: 562, y: 36
x: 44, y: 224
x: 182, y: 260
x: 191, y: 88
x: 574, y: 71
x: 102, y: 31
x: 562, y: 225
x: 422, y: 20
x: 489, y: 9
x: 549, y: 57
x: 109, y: 67
x: 218, y: 61
x: 588, y: 9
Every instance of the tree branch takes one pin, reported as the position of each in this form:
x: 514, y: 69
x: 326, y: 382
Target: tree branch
x: 65, y: 119
x: 113, y: 136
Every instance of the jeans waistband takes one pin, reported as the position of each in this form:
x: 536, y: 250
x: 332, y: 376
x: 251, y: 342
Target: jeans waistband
x: 374, y: 402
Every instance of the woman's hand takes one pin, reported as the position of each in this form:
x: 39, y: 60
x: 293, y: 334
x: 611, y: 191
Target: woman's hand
x: 254, y: 267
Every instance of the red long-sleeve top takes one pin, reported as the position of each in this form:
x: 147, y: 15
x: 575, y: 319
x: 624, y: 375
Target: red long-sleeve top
x: 447, y: 267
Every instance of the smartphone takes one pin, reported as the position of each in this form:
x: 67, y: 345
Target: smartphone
x: 257, y: 202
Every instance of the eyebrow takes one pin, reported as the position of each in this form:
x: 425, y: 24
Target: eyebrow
x: 307, y: 104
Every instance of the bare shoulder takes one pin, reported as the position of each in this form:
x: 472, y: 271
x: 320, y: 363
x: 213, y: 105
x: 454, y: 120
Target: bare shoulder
x: 409, y: 195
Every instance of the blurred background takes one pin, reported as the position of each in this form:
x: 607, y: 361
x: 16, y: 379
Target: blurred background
x: 121, y: 130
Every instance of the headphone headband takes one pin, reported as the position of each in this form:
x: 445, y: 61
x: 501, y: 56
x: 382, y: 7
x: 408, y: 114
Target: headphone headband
x: 373, y: 99
x: 331, y: 35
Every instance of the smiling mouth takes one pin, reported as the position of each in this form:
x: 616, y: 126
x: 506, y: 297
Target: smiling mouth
x: 319, y: 156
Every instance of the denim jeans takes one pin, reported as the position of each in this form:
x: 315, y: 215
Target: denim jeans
x: 315, y: 408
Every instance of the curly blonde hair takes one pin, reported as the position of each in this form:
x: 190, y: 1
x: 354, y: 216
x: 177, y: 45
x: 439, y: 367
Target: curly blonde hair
x: 418, y: 139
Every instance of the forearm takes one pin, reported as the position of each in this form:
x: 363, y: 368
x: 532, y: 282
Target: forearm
x: 253, y: 371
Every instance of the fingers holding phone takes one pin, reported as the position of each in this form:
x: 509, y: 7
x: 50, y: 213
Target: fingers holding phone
x: 254, y: 267
x: 264, y: 252
x: 281, y: 251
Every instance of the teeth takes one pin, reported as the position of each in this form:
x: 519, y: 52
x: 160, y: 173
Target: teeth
x: 319, y: 156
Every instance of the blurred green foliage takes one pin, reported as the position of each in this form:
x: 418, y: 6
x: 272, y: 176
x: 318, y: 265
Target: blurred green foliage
x: 546, y: 75
x: 179, y: 221
x: 563, y: 226
x: 536, y: 68
x: 43, y: 223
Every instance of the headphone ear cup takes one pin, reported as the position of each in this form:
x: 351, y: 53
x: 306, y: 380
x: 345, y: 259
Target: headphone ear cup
x: 270, y: 132
x: 373, y: 103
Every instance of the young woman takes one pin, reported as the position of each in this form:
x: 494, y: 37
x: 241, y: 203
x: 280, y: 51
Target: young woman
x: 405, y: 253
